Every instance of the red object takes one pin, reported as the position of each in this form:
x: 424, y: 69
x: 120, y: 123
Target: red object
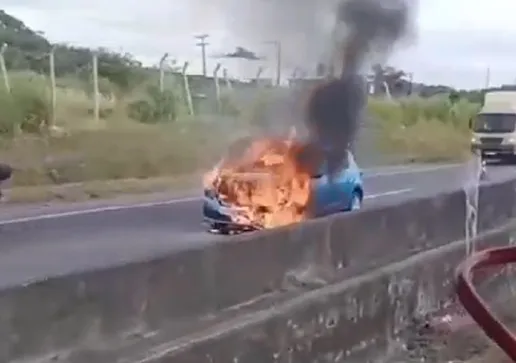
x: 475, y: 305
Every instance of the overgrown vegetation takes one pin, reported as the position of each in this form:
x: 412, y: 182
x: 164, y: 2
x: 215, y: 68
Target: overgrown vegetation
x: 144, y: 132
x: 423, y: 130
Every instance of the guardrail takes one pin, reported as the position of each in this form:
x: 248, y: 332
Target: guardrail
x: 264, y: 292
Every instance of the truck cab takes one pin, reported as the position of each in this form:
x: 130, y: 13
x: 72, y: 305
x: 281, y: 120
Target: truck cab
x: 494, y: 127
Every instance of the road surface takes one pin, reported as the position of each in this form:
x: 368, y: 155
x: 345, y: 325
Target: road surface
x: 44, y: 241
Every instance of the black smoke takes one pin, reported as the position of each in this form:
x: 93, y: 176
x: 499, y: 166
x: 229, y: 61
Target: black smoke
x: 343, y: 36
x: 243, y: 53
x: 366, y: 28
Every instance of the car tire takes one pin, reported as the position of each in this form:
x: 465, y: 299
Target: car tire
x: 220, y: 228
x: 356, y: 201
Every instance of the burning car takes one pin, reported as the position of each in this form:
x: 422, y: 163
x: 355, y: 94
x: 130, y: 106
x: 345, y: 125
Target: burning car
x: 268, y: 183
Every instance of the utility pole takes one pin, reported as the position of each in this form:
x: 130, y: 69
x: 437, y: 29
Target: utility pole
x: 277, y: 46
x: 278, y: 63
x: 202, y: 43
x: 488, y: 78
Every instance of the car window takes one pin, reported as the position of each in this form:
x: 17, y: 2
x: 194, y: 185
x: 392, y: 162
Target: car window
x: 323, y: 167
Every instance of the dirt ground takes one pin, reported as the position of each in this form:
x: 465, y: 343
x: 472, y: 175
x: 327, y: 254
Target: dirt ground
x: 452, y: 338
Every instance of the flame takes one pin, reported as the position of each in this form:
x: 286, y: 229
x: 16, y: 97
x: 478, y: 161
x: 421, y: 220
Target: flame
x: 265, y: 185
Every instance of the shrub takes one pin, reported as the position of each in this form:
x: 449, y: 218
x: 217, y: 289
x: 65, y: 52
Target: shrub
x: 27, y: 106
x: 423, y: 129
x: 156, y: 107
x: 228, y: 106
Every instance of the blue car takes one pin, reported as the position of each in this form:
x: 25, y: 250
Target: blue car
x: 345, y: 193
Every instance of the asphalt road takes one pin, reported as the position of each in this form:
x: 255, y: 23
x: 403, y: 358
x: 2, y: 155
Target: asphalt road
x: 41, y: 241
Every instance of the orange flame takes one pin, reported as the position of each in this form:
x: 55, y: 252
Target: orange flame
x: 265, y: 185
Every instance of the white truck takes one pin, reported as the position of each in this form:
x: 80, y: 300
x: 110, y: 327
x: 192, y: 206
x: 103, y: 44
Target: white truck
x: 494, y: 127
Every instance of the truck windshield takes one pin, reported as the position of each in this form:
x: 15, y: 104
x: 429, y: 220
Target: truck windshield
x: 495, y: 122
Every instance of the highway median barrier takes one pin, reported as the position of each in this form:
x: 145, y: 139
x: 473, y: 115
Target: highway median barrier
x: 124, y: 310
x: 387, y: 314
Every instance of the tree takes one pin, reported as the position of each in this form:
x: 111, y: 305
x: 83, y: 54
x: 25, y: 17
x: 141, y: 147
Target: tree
x: 388, y: 77
x: 29, y: 49
x: 454, y: 97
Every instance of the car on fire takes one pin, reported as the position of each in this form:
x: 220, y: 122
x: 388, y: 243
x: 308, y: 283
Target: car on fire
x: 266, y: 188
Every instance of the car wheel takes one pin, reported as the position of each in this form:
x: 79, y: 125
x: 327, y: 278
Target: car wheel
x: 220, y: 228
x: 356, y: 202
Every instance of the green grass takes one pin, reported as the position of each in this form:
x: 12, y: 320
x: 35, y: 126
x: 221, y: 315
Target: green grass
x: 120, y: 148
x: 116, y: 147
x: 423, y: 130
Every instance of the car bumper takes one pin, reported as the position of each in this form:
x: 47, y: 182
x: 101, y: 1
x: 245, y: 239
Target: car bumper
x: 494, y: 150
x: 216, y: 214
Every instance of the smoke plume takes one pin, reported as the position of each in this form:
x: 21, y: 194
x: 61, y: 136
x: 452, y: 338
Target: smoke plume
x: 344, y: 35
x: 364, y: 28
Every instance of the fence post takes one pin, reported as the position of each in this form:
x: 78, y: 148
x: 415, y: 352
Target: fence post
x: 258, y: 75
x: 96, y: 94
x: 4, y: 68
x: 217, y: 86
x: 227, y: 80
x: 188, y: 93
x: 53, y: 85
x: 293, y: 77
x: 162, y: 72
x: 387, y: 91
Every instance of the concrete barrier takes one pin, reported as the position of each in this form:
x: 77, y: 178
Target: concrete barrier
x: 96, y: 315
x: 361, y: 319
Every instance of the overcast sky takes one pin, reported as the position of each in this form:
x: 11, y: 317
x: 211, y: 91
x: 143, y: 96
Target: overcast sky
x: 456, y: 40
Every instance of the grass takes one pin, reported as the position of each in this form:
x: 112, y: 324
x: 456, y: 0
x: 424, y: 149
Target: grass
x: 121, y: 154
x: 91, y: 159
x: 103, y: 189
x: 423, y: 130
x: 112, y: 154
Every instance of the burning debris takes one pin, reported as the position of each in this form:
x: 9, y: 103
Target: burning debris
x: 268, y: 182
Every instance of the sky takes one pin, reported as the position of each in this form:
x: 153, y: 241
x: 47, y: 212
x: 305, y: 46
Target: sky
x: 454, y: 42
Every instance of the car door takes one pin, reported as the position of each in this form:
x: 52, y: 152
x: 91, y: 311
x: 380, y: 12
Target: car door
x: 321, y: 192
x: 344, y: 183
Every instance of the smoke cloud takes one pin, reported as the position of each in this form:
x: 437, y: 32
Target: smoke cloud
x: 364, y: 29
x: 303, y: 27
x: 346, y: 35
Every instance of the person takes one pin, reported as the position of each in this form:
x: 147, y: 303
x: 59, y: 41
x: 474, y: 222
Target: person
x: 6, y: 172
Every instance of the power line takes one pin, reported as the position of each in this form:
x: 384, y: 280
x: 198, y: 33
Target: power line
x: 202, y: 43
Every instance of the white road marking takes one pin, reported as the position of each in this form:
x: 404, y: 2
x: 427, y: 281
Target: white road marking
x: 389, y: 193
x: 407, y: 170
x: 399, y: 171
x: 97, y: 210
x: 147, y: 205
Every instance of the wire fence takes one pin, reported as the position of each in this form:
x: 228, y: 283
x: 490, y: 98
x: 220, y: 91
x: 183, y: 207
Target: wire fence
x: 95, y: 95
x: 149, y: 95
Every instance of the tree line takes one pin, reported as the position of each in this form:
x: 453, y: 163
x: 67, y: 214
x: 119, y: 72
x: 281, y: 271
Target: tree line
x: 29, y: 50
